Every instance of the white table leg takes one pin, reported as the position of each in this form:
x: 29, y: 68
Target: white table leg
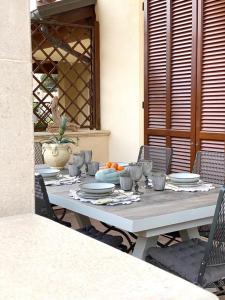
x: 142, y: 245
x: 190, y: 233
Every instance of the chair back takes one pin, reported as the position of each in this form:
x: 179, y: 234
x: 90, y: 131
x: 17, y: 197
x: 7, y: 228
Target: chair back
x: 160, y: 156
x: 215, y: 249
x: 211, y: 166
x: 38, y: 157
x: 42, y: 204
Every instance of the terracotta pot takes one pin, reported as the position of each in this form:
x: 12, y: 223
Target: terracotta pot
x: 56, y: 155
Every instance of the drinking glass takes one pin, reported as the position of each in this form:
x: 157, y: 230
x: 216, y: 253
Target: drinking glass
x: 73, y: 170
x: 147, y: 169
x: 136, y: 171
x: 93, y: 167
x: 158, y: 181
x: 78, y: 160
x: 87, y: 158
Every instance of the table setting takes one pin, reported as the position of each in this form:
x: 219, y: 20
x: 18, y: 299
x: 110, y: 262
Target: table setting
x: 103, y: 194
x: 115, y: 183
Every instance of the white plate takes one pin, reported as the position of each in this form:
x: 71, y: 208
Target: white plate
x: 184, y: 177
x: 97, y: 187
x: 186, y: 184
x: 41, y: 166
x: 84, y: 195
x: 50, y: 172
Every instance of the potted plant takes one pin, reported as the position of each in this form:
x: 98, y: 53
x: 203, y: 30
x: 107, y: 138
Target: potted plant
x: 57, y: 149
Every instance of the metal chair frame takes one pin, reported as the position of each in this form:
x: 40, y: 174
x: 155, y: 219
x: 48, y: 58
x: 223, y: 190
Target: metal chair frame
x: 211, y: 167
x: 42, y: 204
x: 160, y: 156
x: 38, y: 157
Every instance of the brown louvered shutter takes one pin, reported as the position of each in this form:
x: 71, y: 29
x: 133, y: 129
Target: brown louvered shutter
x: 210, y: 129
x: 170, y: 78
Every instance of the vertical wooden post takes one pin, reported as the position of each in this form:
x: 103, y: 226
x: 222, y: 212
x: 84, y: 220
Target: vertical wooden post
x: 97, y: 75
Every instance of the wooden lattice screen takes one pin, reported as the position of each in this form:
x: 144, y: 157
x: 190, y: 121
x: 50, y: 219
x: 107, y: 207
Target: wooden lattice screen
x: 63, y: 57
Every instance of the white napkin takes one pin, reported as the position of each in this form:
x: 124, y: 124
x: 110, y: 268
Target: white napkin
x: 118, y: 197
x: 204, y: 187
x: 66, y: 180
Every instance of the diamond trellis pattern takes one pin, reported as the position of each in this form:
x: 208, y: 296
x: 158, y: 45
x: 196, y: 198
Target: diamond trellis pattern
x: 63, y: 57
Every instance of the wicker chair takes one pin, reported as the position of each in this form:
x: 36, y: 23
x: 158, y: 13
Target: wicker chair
x: 198, y: 261
x: 160, y: 156
x: 38, y: 157
x: 44, y: 209
x: 211, y: 167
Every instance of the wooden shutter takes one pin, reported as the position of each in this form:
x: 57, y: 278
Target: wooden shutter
x: 210, y: 130
x: 170, y: 77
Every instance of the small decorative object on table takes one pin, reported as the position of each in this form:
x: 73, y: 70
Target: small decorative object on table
x: 108, y: 175
x: 57, y: 150
x: 158, y: 181
x: 136, y: 172
x: 147, y: 170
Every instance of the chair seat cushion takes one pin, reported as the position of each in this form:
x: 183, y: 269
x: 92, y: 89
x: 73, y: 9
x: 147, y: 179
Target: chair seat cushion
x: 91, y: 231
x: 184, y: 259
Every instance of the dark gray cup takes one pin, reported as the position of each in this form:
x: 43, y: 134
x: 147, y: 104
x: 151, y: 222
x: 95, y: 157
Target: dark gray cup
x: 73, y: 170
x: 126, y: 183
x: 92, y: 168
x: 158, y: 181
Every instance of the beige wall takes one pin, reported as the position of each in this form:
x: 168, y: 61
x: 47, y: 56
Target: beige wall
x: 16, y: 130
x: 121, y: 57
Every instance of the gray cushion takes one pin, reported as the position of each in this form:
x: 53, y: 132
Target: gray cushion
x: 184, y: 259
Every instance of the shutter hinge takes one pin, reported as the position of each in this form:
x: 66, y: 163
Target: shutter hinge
x: 143, y: 6
x: 143, y: 104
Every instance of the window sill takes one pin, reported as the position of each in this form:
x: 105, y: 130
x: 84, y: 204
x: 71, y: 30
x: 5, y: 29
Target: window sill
x: 79, y: 133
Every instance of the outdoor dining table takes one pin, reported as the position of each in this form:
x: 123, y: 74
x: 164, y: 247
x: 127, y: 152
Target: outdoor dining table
x: 158, y: 212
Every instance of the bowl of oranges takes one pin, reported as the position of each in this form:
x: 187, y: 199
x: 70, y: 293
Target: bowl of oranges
x: 110, y: 172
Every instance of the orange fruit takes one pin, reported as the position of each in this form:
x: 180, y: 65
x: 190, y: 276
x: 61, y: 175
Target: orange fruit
x: 114, y: 166
x: 120, y: 168
x: 108, y: 164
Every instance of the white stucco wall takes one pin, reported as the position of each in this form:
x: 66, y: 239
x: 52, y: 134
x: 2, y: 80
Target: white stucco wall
x: 121, y: 75
x: 16, y: 127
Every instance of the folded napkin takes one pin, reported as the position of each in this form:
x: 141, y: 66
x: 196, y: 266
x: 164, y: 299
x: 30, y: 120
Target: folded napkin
x: 204, y: 187
x: 65, y: 180
x: 118, y: 197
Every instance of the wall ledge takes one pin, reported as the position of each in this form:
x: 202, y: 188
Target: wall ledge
x: 79, y: 133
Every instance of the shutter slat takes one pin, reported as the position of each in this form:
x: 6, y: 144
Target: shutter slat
x: 157, y: 64
x: 181, y: 155
x: 213, y: 67
x: 175, y: 75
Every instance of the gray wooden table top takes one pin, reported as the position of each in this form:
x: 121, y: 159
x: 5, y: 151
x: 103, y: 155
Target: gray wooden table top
x: 156, y: 209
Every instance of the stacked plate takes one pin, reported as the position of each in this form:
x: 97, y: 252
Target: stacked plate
x: 185, y: 179
x: 96, y: 190
x: 48, y: 172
